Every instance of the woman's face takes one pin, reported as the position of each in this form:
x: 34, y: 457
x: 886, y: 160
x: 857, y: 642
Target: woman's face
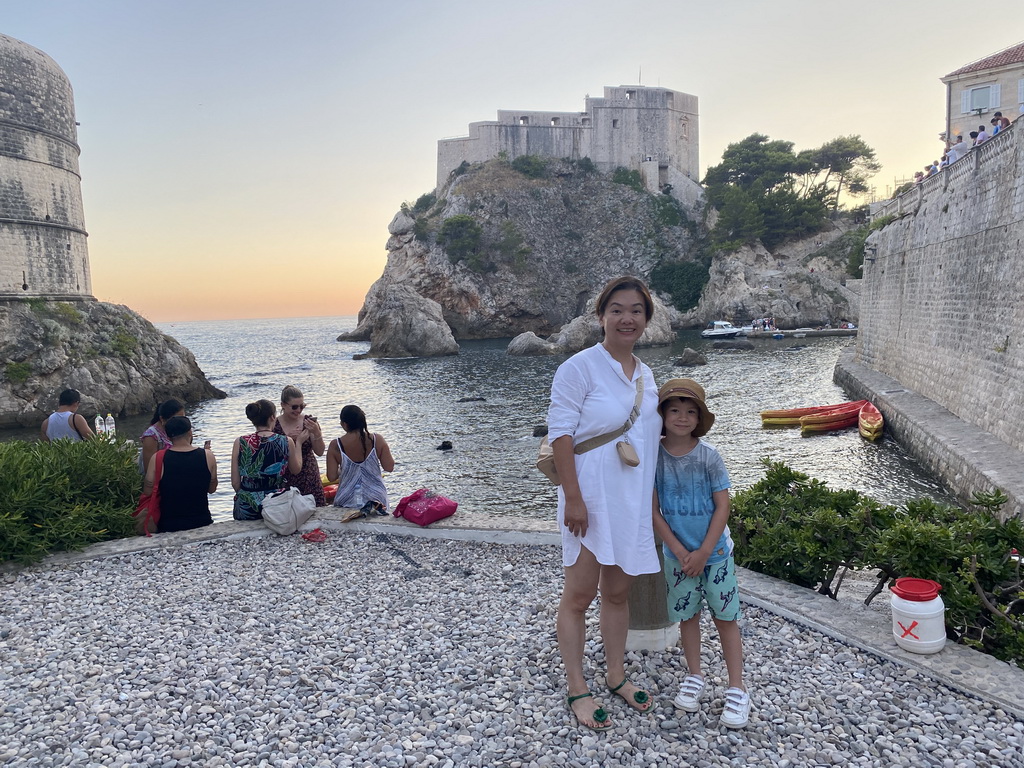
x: 624, y: 318
x: 294, y: 407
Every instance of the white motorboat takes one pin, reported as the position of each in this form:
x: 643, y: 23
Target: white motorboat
x: 720, y: 329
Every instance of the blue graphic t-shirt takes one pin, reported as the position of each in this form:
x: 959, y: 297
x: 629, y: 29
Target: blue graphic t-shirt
x: 684, y: 485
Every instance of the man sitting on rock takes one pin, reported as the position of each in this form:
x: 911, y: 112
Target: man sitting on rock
x: 65, y: 422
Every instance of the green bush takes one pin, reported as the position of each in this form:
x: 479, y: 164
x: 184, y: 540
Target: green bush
x: 667, y: 211
x: 532, y: 166
x: 64, y: 495
x: 630, y: 178
x: 421, y: 230
x: 684, y: 281
x: 424, y: 203
x: 124, y: 344
x: 18, y: 372
x: 460, y: 236
x: 795, y: 528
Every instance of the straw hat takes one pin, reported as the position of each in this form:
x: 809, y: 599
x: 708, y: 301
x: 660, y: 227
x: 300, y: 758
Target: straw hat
x: 690, y: 389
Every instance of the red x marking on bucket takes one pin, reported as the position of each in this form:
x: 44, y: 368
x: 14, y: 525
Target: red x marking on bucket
x: 909, y: 630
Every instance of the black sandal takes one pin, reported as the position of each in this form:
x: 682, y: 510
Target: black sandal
x: 599, y: 715
x: 639, y: 696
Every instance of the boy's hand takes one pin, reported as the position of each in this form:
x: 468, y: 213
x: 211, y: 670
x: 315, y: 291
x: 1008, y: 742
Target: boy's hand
x: 680, y: 552
x: 694, y: 563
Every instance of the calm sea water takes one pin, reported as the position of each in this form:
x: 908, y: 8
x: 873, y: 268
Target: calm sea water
x: 415, y: 404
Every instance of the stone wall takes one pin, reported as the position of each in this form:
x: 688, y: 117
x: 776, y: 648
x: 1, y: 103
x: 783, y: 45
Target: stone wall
x: 942, y: 307
x: 43, y: 250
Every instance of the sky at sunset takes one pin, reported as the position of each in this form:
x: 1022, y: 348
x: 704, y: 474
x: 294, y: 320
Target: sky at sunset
x: 243, y: 159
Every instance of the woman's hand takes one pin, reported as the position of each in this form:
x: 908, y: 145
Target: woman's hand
x: 576, y: 517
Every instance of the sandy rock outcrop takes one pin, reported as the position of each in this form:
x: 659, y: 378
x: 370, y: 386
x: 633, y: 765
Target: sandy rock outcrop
x: 410, y: 325
x: 529, y: 343
x: 116, y: 358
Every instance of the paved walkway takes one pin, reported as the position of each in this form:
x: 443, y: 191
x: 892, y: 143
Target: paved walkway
x: 959, y: 667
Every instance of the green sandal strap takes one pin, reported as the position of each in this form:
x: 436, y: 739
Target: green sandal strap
x: 581, y: 696
x: 640, y: 697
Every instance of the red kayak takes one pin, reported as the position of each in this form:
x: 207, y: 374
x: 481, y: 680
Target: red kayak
x: 792, y: 417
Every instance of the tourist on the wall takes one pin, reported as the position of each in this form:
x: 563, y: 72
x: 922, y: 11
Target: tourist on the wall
x: 66, y: 423
x: 1004, y: 123
x: 605, y: 500
x: 259, y: 461
x: 305, y: 432
x: 354, y: 462
x: 188, y: 475
x: 155, y: 437
x: 982, y: 136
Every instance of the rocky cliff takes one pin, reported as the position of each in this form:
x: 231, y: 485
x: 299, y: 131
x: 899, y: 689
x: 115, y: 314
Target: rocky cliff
x: 115, y: 357
x: 506, y: 250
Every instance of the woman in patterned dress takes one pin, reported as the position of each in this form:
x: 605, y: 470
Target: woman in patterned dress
x: 259, y: 461
x: 305, y: 432
x: 155, y: 438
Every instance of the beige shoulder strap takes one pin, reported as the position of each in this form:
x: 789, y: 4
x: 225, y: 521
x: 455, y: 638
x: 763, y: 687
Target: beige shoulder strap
x: 597, y: 442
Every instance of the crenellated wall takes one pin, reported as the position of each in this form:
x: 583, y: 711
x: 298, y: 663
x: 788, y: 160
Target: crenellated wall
x: 942, y: 308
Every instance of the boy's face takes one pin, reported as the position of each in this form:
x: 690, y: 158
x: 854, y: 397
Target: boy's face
x: 681, y: 416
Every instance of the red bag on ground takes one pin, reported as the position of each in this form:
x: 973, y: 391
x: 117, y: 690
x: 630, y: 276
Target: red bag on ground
x: 424, y: 507
x: 147, y: 512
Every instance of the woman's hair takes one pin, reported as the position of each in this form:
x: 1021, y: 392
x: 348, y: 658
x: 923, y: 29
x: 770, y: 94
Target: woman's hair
x: 166, y: 410
x: 352, y: 416
x: 290, y: 393
x: 260, y: 412
x: 177, y: 426
x: 626, y: 283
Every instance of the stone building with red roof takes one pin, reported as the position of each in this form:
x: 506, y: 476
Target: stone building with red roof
x: 991, y: 84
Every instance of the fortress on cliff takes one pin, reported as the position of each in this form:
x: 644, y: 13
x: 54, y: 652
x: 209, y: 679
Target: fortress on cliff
x: 43, y: 251
x: 653, y: 130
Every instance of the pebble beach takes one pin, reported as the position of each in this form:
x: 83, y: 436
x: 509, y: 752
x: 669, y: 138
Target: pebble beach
x: 372, y: 649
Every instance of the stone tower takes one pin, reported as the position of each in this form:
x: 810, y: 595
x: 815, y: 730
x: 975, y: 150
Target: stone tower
x: 43, y: 250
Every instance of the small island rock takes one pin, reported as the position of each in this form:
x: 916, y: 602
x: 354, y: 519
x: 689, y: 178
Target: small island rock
x: 740, y: 344
x: 529, y: 343
x: 691, y: 356
x: 410, y: 325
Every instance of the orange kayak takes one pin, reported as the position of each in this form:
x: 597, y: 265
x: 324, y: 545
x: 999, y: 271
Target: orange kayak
x: 827, y: 422
x: 791, y: 417
x: 871, y: 422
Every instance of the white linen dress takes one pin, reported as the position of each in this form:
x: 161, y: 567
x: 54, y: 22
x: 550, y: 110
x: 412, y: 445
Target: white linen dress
x: 591, y: 396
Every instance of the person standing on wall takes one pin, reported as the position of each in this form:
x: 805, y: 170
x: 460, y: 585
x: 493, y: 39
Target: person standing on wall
x: 605, y: 500
x: 66, y: 422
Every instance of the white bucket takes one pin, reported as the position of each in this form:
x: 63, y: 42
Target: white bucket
x: 918, y: 615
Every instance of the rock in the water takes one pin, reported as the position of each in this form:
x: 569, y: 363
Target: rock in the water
x: 734, y: 344
x: 116, y: 358
x: 691, y: 357
x: 410, y: 325
x: 529, y: 343
x: 540, y: 430
x: 446, y: 445
x: 471, y: 400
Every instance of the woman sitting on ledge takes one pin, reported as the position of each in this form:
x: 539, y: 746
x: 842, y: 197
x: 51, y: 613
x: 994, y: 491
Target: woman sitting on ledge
x: 187, y: 478
x: 259, y: 461
x: 354, y: 461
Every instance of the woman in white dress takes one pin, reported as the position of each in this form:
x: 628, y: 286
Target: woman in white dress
x: 604, y: 506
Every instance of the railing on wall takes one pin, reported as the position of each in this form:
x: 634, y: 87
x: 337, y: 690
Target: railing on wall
x: 991, y: 151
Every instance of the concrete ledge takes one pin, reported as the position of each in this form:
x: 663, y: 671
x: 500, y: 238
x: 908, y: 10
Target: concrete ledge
x: 962, y: 455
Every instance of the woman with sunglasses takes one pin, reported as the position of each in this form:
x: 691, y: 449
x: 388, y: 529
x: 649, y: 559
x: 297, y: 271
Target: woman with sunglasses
x: 305, y: 432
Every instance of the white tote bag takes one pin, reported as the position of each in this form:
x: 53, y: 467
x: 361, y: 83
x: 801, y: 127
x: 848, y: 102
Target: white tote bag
x: 285, y: 511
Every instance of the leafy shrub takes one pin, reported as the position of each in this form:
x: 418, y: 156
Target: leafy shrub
x: 630, y: 178
x: 64, y: 495
x: 421, y: 230
x: 684, y: 281
x: 124, y: 344
x: 667, y: 211
x: 61, y: 310
x: 18, y: 373
x: 424, y: 203
x: 531, y: 166
x: 795, y: 528
x: 460, y: 236
x: 584, y: 165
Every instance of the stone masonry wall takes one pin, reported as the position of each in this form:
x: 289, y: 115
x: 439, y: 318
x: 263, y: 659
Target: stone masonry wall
x: 43, y: 249
x: 942, y: 305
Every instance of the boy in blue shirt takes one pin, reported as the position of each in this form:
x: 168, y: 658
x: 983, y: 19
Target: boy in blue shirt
x: 691, y: 509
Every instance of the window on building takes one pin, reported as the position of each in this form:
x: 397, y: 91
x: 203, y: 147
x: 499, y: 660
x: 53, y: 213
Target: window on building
x: 524, y: 120
x: 684, y: 128
x: 630, y: 95
x: 979, y: 99
x: 586, y: 120
x: 615, y: 123
x: 555, y: 120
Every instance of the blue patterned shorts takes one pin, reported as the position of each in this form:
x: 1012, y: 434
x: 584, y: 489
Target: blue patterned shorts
x: 716, y: 586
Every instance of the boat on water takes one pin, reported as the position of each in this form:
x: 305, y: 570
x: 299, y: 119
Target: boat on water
x: 720, y: 329
x: 791, y: 417
x: 870, y: 422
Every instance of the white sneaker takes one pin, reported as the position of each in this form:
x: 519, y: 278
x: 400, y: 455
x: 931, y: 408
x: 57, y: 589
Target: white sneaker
x: 690, y: 691
x: 737, y: 708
